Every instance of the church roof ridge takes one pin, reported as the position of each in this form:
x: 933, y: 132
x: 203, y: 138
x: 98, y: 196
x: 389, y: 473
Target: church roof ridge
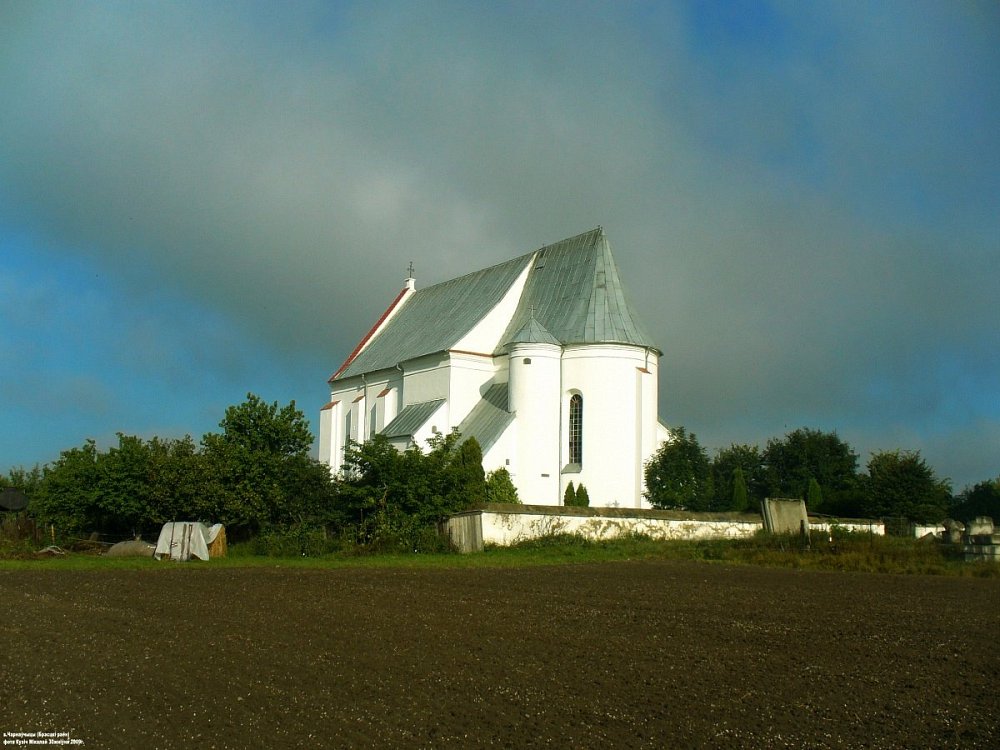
x: 573, y: 291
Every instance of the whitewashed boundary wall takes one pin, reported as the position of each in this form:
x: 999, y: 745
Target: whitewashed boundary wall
x: 504, y: 525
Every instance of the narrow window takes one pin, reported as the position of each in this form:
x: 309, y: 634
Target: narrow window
x: 576, y: 429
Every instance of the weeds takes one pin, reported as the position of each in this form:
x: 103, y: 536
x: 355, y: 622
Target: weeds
x: 385, y: 543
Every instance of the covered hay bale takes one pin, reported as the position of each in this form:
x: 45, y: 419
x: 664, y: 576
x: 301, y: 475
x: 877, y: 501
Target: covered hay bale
x: 131, y: 548
x: 217, y: 546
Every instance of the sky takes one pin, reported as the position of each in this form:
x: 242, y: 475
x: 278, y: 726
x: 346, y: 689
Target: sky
x: 203, y: 200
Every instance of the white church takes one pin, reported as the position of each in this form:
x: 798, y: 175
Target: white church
x: 541, y: 358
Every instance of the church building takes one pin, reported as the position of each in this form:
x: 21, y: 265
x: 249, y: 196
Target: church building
x: 541, y: 358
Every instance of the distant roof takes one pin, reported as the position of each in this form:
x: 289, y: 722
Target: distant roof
x: 14, y: 499
x: 573, y: 291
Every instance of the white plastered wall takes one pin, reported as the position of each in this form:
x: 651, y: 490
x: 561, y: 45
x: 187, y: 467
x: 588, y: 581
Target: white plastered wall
x: 618, y: 423
x: 485, y: 335
x: 331, y: 438
x: 502, y: 453
x: 437, y: 424
x: 534, y: 373
x: 425, y: 379
x: 469, y: 377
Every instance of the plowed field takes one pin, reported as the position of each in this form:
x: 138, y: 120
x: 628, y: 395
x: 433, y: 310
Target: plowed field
x: 651, y: 654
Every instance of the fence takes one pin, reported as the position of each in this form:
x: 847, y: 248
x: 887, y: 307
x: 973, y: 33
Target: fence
x: 504, y: 525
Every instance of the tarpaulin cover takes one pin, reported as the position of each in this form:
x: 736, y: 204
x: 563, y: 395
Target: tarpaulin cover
x: 182, y: 540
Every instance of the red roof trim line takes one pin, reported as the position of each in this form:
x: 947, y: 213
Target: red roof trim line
x: 385, y: 392
x: 374, y: 328
x: 330, y: 405
x: 474, y: 354
x: 359, y: 398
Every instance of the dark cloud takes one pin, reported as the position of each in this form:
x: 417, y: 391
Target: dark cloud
x: 804, y: 207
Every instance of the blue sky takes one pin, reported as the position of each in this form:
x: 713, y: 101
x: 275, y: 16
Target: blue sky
x: 200, y: 200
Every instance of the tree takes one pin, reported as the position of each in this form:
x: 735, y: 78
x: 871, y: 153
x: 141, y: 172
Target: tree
x: 582, y: 497
x: 679, y: 474
x: 741, y: 499
x: 124, y: 497
x: 983, y: 499
x: 68, y: 494
x: 26, y: 480
x: 748, y: 460
x: 500, y: 489
x: 814, y: 495
x: 422, y: 487
x: 466, y: 477
x: 263, y: 429
x: 901, y: 484
x: 262, y: 464
x: 806, y: 454
x: 569, y: 496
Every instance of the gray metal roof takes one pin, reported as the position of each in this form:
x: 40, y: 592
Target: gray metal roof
x: 489, y: 418
x: 436, y: 318
x: 533, y: 332
x: 411, y: 419
x: 573, y: 291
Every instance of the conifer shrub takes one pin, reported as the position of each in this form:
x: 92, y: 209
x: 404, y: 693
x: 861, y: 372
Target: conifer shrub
x: 741, y: 500
x: 569, y: 497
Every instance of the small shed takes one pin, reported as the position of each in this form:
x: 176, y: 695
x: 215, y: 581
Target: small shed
x: 12, y: 499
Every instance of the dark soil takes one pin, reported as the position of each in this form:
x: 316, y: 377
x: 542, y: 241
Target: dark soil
x: 659, y: 655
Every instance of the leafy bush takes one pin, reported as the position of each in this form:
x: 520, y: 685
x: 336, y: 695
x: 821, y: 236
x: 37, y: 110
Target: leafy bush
x: 500, y: 488
x: 296, y: 541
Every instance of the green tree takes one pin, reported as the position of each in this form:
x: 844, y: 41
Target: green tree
x: 983, y: 499
x: 124, y: 492
x: 68, y: 494
x: 806, y: 454
x: 263, y: 470
x: 814, y: 495
x: 746, y: 458
x: 582, y: 497
x: 26, y: 480
x: 420, y: 486
x: 679, y: 474
x: 500, y: 489
x: 569, y: 496
x: 373, y: 476
x: 466, y: 477
x: 741, y: 499
x: 901, y: 484
x: 181, y: 486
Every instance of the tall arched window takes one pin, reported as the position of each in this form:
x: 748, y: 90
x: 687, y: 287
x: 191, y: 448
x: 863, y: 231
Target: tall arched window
x: 576, y: 429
